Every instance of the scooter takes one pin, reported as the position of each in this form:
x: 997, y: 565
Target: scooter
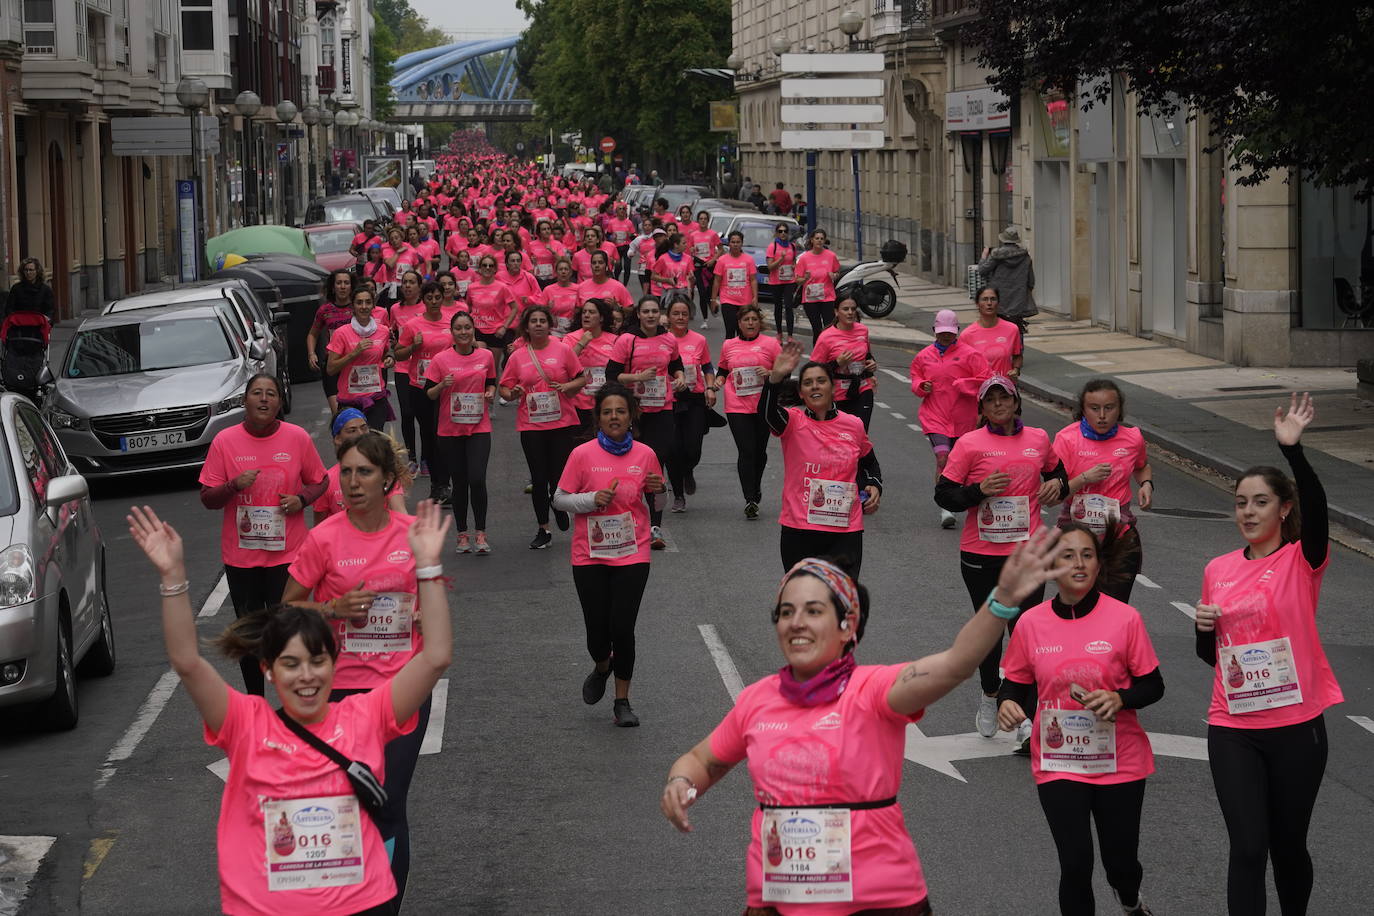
x: 873, y: 284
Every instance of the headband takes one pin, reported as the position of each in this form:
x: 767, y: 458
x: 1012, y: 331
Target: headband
x: 838, y: 581
x: 342, y: 418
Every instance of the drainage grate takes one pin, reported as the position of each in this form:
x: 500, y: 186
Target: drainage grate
x: 1204, y: 514
x: 1254, y: 388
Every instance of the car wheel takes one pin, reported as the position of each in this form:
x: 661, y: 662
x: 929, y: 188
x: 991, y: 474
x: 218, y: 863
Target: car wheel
x: 59, y: 712
x: 100, y: 659
x: 285, y: 382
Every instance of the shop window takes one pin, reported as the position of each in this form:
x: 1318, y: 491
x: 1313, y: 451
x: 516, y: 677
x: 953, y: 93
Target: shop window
x: 1052, y: 126
x: 198, y: 25
x: 1337, y: 267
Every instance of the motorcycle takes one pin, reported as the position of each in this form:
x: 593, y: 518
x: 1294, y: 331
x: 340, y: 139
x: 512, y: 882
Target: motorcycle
x: 873, y: 284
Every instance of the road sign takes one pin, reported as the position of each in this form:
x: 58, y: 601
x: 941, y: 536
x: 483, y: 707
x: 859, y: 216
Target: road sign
x: 519, y: 146
x: 859, y: 87
x: 832, y: 63
x: 608, y: 144
x: 833, y: 114
x: 283, y: 152
x: 832, y: 139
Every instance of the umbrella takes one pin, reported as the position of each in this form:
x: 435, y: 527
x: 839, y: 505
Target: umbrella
x: 257, y: 240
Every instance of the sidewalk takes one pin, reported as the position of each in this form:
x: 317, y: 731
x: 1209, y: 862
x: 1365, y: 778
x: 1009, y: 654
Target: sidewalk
x: 1215, y: 414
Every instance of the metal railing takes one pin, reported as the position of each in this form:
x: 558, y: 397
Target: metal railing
x: 915, y: 15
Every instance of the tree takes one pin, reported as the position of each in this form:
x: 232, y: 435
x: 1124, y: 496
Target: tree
x: 1282, y: 84
x: 383, y: 69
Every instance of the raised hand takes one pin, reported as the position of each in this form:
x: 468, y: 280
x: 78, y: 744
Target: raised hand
x: 157, y: 539
x: 789, y: 357
x: 1288, y: 427
x: 428, y: 532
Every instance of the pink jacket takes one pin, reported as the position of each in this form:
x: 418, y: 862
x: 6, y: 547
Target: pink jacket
x: 951, y: 407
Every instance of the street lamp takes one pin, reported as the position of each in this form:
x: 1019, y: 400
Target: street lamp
x: 310, y: 116
x: 286, y: 113
x: 247, y: 104
x: 851, y: 23
x: 193, y: 95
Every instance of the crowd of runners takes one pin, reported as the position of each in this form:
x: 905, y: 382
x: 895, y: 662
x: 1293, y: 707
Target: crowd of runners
x: 498, y: 298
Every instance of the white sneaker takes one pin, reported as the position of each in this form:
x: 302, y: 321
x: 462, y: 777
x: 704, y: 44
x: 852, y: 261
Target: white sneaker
x: 1023, y: 732
x: 985, y: 720
x: 946, y: 518
x: 704, y: 325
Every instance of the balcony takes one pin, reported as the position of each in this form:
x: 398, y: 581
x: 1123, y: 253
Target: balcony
x: 326, y: 80
x: 950, y: 14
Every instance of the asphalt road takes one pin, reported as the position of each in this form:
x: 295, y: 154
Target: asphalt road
x: 535, y: 804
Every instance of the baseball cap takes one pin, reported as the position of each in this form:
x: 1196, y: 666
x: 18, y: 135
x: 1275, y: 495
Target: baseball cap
x: 997, y: 381
x: 946, y: 322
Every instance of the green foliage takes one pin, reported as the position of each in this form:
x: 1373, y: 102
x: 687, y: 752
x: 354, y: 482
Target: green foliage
x: 614, y: 67
x: 1284, y: 85
x: 383, y: 69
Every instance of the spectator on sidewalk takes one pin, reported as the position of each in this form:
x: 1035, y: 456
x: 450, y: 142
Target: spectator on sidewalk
x: 758, y: 200
x: 729, y: 187
x: 799, y: 208
x: 31, y: 293
x: 1008, y: 268
x: 781, y: 200
x: 746, y: 188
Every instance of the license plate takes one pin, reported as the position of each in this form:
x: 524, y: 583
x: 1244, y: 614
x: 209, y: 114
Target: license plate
x: 143, y: 442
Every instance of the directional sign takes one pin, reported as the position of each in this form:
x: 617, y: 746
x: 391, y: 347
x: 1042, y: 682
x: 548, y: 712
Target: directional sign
x: 832, y: 63
x: 859, y: 88
x: 832, y: 139
x: 833, y: 114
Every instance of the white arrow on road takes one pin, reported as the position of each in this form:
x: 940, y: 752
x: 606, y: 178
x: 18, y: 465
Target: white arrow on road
x: 938, y: 752
x: 20, y: 857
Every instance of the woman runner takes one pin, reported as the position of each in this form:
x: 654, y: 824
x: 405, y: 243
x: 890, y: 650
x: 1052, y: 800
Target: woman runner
x: 736, y: 283
x: 360, y: 352
x: 844, y: 348
x: 593, y: 344
x: 691, y: 404
x: 781, y: 258
x: 745, y: 362
x: 336, y: 310
x: 817, y: 271
x: 348, y: 424
x: 421, y: 339
x: 996, y: 338
x: 945, y: 377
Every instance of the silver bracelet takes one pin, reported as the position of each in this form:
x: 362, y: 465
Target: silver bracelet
x: 427, y: 573
x: 171, y: 591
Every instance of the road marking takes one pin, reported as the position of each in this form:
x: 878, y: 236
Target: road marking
x: 220, y: 768
x: 938, y: 752
x: 1188, y: 610
x: 914, y: 427
x: 1363, y: 722
x: 434, y: 733
x: 897, y: 416
x: 20, y: 857
x: 880, y: 405
x: 1143, y: 580
x: 138, y: 729
x: 724, y: 663
x: 100, y: 848
x: 217, y: 596
x: 897, y: 375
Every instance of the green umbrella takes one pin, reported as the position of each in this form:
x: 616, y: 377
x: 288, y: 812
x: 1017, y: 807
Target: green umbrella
x: 257, y: 240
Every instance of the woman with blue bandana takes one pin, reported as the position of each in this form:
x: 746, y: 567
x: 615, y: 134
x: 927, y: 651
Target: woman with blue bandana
x: 348, y: 425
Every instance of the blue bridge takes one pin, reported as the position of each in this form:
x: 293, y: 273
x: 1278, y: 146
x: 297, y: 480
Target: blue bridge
x: 464, y: 81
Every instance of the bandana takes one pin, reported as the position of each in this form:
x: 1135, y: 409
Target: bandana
x: 996, y: 431
x: 837, y: 580
x: 825, y: 687
x: 614, y: 447
x: 366, y: 330
x: 1088, y: 432
x: 344, y: 416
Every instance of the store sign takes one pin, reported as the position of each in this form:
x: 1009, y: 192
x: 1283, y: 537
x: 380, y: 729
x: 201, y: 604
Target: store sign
x: 347, y: 75
x: 976, y: 109
x: 187, y: 214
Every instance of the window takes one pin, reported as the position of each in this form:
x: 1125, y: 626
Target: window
x: 33, y: 461
x: 1334, y: 232
x: 152, y: 344
x: 40, y: 35
x: 198, y: 25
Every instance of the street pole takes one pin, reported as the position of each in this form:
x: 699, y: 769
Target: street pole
x: 858, y: 219
x: 810, y: 192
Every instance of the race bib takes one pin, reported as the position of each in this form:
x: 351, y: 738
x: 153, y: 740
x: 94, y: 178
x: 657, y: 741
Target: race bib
x: 421, y: 365
x: 597, y: 374
x: 785, y: 273
x: 1095, y: 510
x: 815, y: 291
x: 365, y: 379
x: 1260, y: 675
x: 702, y: 249
x: 619, y: 237
x: 653, y: 393
x: 690, y: 373
x: 562, y: 323
x: 806, y: 856
x: 463, y: 288
x: 312, y: 842
x: 748, y: 380
x: 830, y: 501
x: 1076, y: 741
x: 543, y: 271
x: 262, y: 527
x: 1004, y: 519
x: 543, y: 406
x: 611, y: 537
x: 855, y: 368
x: 465, y: 407
x: 735, y: 276
x: 387, y: 628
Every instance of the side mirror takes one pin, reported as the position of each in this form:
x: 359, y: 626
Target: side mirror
x: 256, y: 351
x: 62, y: 490
x: 281, y: 317
x: 45, y: 376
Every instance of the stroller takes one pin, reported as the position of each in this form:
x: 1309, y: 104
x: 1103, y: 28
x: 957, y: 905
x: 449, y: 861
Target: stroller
x: 24, y: 352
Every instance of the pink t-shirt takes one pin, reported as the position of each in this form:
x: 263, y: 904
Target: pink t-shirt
x: 745, y: 365
x: 998, y: 523
x: 786, y: 271
x: 524, y: 286
x: 430, y: 249
x: 820, y: 466
x: 456, y: 243
x: 465, y: 399
x: 813, y: 273
x: 846, y: 751
x: 636, y: 354
x: 682, y: 272
x: 1101, y: 651
x: 648, y: 253
x: 331, y: 500
x: 611, y: 289
x: 400, y: 314
x: 268, y: 764
x: 998, y: 344
x: 832, y: 342
x: 364, y: 374
x: 582, y: 260
x: 435, y: 337
x: 544, y: 257
x: 378, y: 272
x: 617, y: 534
x: 951, y: 407
x: 541, y: 407
x: 594, y: 357
x: 735, y: 271
x: 619, y: 231
x: 704, y: 243
x: 335, y: 558
x: 695, y: 353
x: 464, y: 278
x: 491, y: 305
x: 1125, y: 452
x: 563, y: 301
x: 255, y: 531
x: 1262, y: 601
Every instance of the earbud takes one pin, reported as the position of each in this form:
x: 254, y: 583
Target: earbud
x: 844, y: 624
x: 269, y: 677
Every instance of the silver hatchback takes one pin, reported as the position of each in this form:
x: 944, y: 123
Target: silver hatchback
x: 54, y: 616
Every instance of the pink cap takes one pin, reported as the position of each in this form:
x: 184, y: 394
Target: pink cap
x: 946, y: 322
x: 997, y: 381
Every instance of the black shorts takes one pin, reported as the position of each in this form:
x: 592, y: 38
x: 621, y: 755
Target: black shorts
x: 498, y: 340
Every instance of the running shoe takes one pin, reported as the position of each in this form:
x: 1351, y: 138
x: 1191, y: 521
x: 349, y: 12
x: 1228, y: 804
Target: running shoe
x: 443, y: 496
x: 482, y: 548
x: 679, y: 504
x: 560, y: 518
x: 625, y: 716
x: 689, y: 485
x: 542, y: 539
x: 704, y: 324
x: 1023, y: 736
x: 1140, y: 909
x: 657, y: 543
x: 463, y: 545
x: 594, y: 687
x: 751, y: 511
x: 946, y: 518
x: 985, y: 720
x: 424, y: 469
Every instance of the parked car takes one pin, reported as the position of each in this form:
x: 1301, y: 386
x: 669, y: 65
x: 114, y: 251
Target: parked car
x: 676, y: 195
x: 759, y: 231
x: 330, y: 243
x: 148, y: 389
x: 299, y: 283
x: 54, y: 614
x: 723, y: 203
x: 346, y: 208
x: 388, y: 197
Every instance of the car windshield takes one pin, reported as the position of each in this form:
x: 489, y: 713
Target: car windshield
x: 168, y: 343
x: 348, y: 211
x: 330, y: 241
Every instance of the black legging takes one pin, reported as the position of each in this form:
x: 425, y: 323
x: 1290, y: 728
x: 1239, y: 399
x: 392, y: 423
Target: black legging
x: 980, y: 572
x: 426, y: 413
x: 1128, y: 563
x: 859, y: 405
x: 1266, y: 781
x: 392, y: 821
x: 729, y: 314
x: 705, y: 279
x: 799, y: 543
x: 546, y: 451
x: 407, y: 412
x: 376, y: 415
x: 330, y: 383
x: 610, y: 597
x: 784, y: 306
x: 1071, y: 808
x: 252, y: 588
x: 622, y: 264
x: 465, y: 461
x: 689, y: 413
x: 658, y: 430
x: 751, y: 442
x: 821, y: 315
